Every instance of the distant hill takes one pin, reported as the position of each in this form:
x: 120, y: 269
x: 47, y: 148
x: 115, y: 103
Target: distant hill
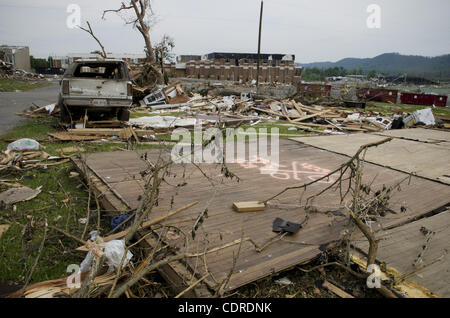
x: 394, y: 63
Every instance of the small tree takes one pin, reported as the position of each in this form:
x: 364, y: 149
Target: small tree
x: 37, y: 62
x: 163, y: 53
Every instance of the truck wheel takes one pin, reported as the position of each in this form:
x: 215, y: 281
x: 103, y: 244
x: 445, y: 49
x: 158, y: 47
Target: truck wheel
x: 123, y: 114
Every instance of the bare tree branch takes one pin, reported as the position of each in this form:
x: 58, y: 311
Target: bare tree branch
x: 91, y: 32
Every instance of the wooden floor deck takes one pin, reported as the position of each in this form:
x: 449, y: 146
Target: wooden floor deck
x: 421, y: 151
x: 116, y: 176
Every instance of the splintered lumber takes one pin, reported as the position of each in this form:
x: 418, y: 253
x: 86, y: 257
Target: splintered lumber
x: 109, y: 131
x: 249, y: 206
x: 70, y: 150
x: 267, y: 111
x: 311, y: 116
x: 134, y: 134
x: 65, y: 136
x: 307, y: 108
x: 59, y: 288
x: 336, y: 290
x: 96, y: 131
x: 299, y: 110
x: 119, y: 235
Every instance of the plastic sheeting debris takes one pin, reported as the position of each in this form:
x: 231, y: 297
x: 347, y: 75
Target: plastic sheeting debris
x: 24, y: 144
x: 424, y: 116
x: 50, y: 108
x: 114, y: 251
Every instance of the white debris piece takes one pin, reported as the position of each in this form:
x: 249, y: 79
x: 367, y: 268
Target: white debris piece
x: 50, y: 108
x: 283, y: 281
x: 354, y: 116
x: 424, y: 116
x: 162, y: 122
x: 114, y: 251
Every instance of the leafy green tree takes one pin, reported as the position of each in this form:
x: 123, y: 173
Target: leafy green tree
x: 37, y: 62
x: 372, y: 74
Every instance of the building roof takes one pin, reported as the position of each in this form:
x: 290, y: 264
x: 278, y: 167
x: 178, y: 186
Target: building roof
x: 252, y: 56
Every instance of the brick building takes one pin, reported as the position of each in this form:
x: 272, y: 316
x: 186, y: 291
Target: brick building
x: 240, y: 67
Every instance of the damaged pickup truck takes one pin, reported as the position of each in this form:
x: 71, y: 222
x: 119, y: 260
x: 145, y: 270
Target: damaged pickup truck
x: 96, y: 86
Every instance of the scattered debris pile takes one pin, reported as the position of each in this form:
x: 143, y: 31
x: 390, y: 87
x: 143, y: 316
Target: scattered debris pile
x: 8, y: 71
x: 162, y: 94
x: 40, y: 111
x: 169, y: 107
x: 11, y: 161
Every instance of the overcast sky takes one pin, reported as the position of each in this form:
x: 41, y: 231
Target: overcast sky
x: 313, y: 30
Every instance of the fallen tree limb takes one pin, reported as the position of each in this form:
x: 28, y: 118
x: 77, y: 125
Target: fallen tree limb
x: 356, y: 155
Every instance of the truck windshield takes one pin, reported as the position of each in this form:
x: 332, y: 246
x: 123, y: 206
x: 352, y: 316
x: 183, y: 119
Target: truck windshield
x: 99, y: 70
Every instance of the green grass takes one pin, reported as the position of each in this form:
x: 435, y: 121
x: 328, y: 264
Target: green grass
x: 20, y: 244
x: 62, y: 202
x: 35, y: 128
x: 9, y: 85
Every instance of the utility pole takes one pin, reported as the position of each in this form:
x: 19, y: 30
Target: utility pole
x: 259, y: 47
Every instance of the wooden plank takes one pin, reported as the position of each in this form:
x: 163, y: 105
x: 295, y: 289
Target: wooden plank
x: 268, y: 111
x: 249, y: 206
x: 307, y: 108
x: 336, y: 290
x: 311, y: 116
x: 107, y: 131
x: 65, y: 136
x: 299, y: 110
